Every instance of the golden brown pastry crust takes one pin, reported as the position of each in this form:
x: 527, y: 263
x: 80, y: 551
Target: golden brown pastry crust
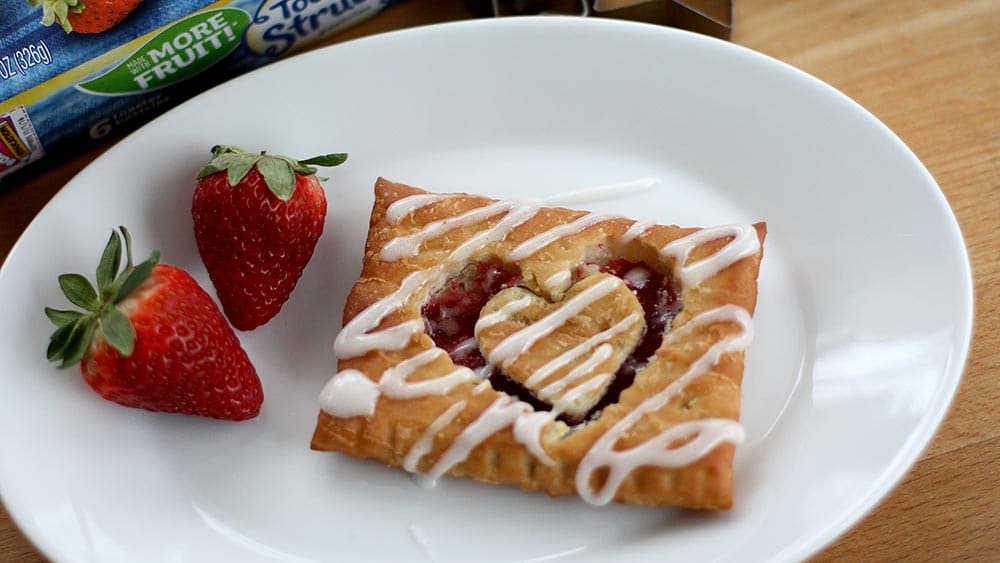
x: 396, y: 425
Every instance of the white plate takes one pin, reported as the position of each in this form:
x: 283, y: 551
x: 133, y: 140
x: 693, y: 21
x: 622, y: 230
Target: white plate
x: 862, y: 329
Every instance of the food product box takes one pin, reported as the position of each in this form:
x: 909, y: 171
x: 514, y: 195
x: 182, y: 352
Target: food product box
x: 72, y: 71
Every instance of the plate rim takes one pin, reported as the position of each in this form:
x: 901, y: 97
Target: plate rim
x: 918, y: 440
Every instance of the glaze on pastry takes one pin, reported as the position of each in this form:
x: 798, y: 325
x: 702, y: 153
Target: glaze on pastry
x: 555, y: 350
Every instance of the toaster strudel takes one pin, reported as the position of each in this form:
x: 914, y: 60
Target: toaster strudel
x: 556, y: 350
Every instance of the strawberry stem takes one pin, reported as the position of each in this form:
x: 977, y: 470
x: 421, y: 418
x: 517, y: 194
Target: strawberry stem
x: 128, y: 245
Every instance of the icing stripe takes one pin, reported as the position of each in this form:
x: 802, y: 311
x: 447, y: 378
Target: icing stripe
x: 559, y: 280
x: 502, y: 413
x: 543, y: 373
x: 354, y: 340
x: 485, y: 372
x: 407, y: 246
x: 528, y: 431
x: 567, y: 401
x: 745, y: 243
x: 636, y: 230
x: 464, y: 346
x: 518, y: 215
x: 404, y: 207
x: 540, y: 241
x: 393, y: 382
x: 600, y: 355
x: 598, y: 193
x: 349, y: 393
x: 502, y: 314
x: 521, y: 341
x: 426, y: 441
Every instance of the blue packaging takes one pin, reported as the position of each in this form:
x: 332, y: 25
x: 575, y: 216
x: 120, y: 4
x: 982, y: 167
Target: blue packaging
x: 69, y: 76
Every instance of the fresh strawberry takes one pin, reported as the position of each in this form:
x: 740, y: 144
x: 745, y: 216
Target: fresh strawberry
x: 257, y: 218
x: 85, y: 16
x: 152, y: 338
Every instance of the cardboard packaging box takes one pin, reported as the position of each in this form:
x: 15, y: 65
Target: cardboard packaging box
x: 72, y: 71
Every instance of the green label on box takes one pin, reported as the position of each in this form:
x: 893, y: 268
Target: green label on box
x: 177, y: 53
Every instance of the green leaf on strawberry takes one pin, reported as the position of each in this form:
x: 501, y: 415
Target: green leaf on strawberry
x: 79, y: 291
x: 78, y: 342
x: 110, y: 261
x: 327, y: 160
x: 62, y: 318
x: 84, y: 16
x: 75, y: 330
x: 131, y: 277
x: 278, y: 171
x: 60, y: 339
x: 278, y: 174
x: 117, y: 330
x: 58, y: 11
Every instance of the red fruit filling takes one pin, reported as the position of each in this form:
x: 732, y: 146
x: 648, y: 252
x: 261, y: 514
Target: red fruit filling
x: 450, y: 315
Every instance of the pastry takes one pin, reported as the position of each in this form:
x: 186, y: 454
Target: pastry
x: 555, y: 350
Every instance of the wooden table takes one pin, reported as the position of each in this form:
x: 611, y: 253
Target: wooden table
x: 931, y: 71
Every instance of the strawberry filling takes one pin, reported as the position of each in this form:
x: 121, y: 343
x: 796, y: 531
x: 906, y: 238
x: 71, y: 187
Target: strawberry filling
x: 450, y: 316
x: 451, y: 313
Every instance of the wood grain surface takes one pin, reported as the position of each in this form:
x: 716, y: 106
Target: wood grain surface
x: 930, y: 70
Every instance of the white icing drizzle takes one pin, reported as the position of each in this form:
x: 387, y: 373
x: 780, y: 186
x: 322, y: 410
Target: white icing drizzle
x: 518, y: 214
x: 464, y: 346
x: 636, y: 230
x: 707, y: 433
x: 423, y: 481
x: 501, y: 314
x: 543, y: 373
x: 403, y: 207
x: 637, y: 276
x: 420, y: 538
x: 502, y: 413
x: 745, y: 243
x: 426, y: 440
x: 408, y: 245
x: 541, y: 240
x: 349, y: 393
x: 521, y: 341
x: 528, y: 431
x: 393, y: 382
x: 600, y: 355
x: 559, y: 280
x: 599, y: 193
x: 485, y: 372
x: 482, y: 386
x: 354, y: 339
x: 569, y: 400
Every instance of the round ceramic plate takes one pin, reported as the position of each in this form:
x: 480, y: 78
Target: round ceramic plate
x: 862, y: 326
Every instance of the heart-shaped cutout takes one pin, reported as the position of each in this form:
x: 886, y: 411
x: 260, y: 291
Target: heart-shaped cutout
x: 565, y: 353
